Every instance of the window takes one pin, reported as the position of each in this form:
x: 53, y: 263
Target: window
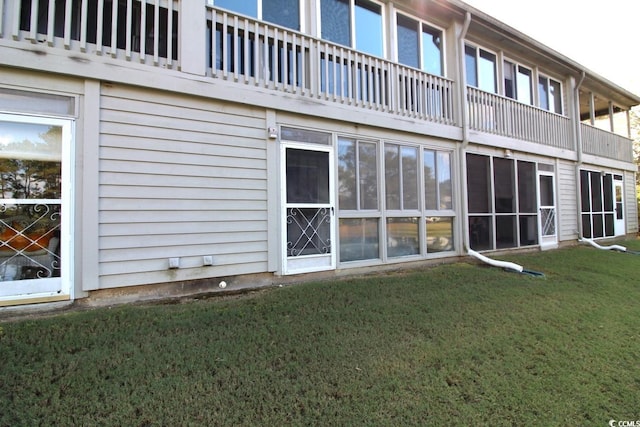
x: 353, y: 23
x: 401, y: 176
x: 357, y: 194
x: 518, y: 83
x: 598, y: 207
x: 502, y: 202
x: 395, y: 200
x: 280, y: 12
x: 419, y: 45
x: 480, y: 69
x: 438, y: 191
x: 550, y: 94
x: 35, y: 217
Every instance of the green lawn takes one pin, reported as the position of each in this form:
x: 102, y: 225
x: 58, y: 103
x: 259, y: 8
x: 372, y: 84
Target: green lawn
x: 461, y: 344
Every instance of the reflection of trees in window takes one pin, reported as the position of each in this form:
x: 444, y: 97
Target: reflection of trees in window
x: 24, y: 178
x: 357, y: 171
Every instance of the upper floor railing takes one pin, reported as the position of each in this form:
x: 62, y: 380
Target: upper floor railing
x: 138, y: 30
x: 261, y: 54
x: 601, y: 143
x: 257, y: 53
x: 503, y: 116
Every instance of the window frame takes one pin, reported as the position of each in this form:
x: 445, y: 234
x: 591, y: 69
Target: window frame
x: 478, y: 75
x: 420, y: 24
x: 515, y: 68
x: 542, y: 76
x: 494, y: 216
x: 260, y: 15
x: 353, y: 27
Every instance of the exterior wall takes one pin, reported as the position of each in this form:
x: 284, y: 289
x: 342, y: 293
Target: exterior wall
x: 567, y: 201
x: 631, y: 205
x: 179, y: 177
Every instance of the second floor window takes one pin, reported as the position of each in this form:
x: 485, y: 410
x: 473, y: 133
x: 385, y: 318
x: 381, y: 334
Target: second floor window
x: 419, y: 45
x: 518, y: 82
x: 550, y: 94
x: 480, y: 68
x: 353, y: 23
x: 279, y: 12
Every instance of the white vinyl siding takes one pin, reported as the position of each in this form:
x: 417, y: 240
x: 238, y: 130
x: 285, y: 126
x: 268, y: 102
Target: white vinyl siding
x: 631, y: 209
x: 567, y: 201
x: 180, y: 177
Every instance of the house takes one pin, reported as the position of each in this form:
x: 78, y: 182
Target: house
x: 174, y: 144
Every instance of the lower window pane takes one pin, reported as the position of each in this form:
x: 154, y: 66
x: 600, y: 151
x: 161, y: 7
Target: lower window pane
x: 506, y: 232
x: 608, y: 225
x: 439, y: 234
x: 586, y: 226
x: 359, y: 239
x: 402, y: 237
x: 480, y: 233
x: 598, y: 225
x: 528, y: 230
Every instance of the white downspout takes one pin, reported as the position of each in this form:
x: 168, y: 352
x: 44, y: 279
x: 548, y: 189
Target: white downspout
x: 462, y: 148
x: 578, y: 127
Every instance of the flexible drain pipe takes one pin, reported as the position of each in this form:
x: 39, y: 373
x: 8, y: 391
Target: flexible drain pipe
x: 606, y: 248
x: 495, y: 263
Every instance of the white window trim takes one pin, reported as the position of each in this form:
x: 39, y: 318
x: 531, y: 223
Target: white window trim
x: 301, y: 10
x: 533, y: 82
x: 352, y: 22
x: 549, y: 79
x: 477, y: 47
x: 67, y: 256
x: 443, y: 48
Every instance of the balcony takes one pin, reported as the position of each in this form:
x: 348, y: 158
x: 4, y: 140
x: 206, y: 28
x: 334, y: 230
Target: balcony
x: 257, y: 53
x: 223, y: 46
x: 127, y: 30
x: 498, y: 115
x: 606, y: 144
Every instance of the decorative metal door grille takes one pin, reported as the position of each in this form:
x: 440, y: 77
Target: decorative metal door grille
x: 308, y: 231
x: 30, y: 240
x: 548, y: 219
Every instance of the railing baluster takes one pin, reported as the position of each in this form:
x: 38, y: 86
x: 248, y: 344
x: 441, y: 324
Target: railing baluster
x: 50, y: 22
x: 350, y: 78
x: 15, y: 33
x: 214, y: 43
x: 284, y: 66
x: 333, y: 69
x: 293, y: 64
x: 129, y: 35
x: 67, y: 25
x: 143, y: 31
x: 156, y: 33
x: 265, y: 55
x: 225, y: 47
x: 99, y: 27
x: 170, y: 33
x: 245, y: 51
x: 2, y: 14
x: 236, y: 49
x: 83, y: 25
x: 33, y: 24
x: 114, y: 29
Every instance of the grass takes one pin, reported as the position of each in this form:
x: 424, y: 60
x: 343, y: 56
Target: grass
x: 457, y: 343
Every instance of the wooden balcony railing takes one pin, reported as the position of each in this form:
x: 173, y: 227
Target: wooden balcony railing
x: 602, y: 143
x: 261, y: 54
x: 499, y: 115
x: 140, y: 30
